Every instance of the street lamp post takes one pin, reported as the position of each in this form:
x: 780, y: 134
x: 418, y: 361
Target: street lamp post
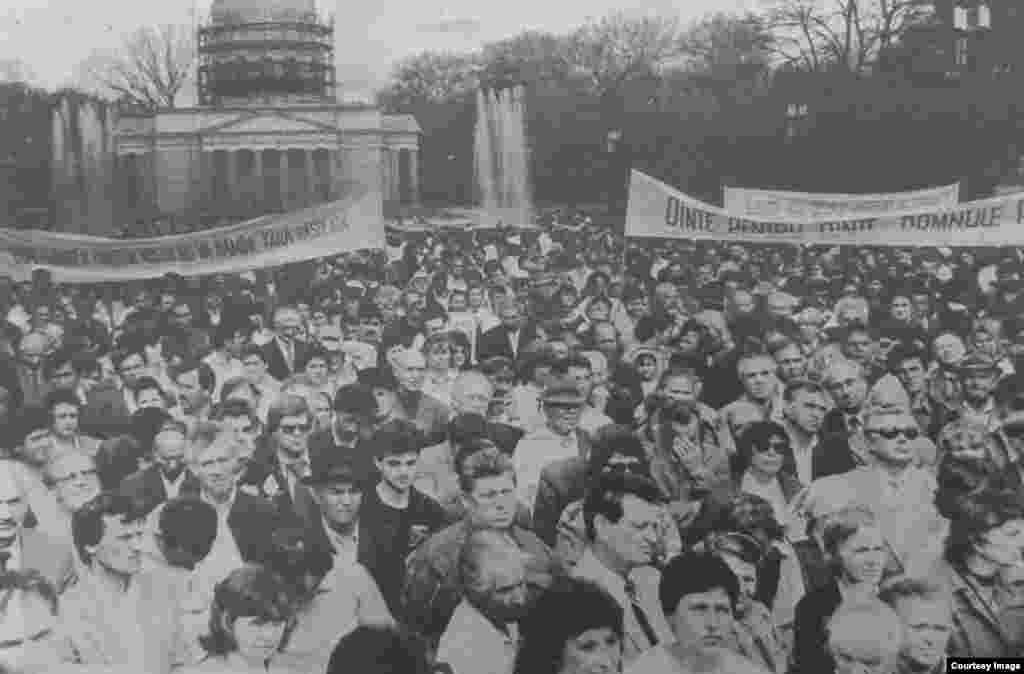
x: 970, y: 22
x: 613, y: 145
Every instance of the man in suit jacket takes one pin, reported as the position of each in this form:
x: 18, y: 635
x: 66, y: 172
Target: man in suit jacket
x: 900, y: 493
x: 245, y: 521
x: 285, y: 353
x: 24, y: 549
x: 109, y: 406
x: 279, y: 476
x: 509, y: 339
x: 168, y: 477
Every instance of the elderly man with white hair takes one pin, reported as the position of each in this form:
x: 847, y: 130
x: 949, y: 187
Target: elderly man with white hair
x: 893, y: 487
x: 865, y: 638
x: 244, y: 520
x: 428, y: 414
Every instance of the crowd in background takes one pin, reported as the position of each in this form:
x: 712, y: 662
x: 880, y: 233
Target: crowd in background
x: 519, y: 452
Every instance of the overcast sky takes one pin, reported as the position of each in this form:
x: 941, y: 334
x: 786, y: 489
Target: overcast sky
x: 52, y: 36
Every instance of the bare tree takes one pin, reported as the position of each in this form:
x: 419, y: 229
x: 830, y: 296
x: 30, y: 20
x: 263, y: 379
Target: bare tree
x: 727, y: 49
x: 429, y: 77
x: 16, y: 70
x: 845, y: 34
x: 149, y: 70
x: 623, y: 46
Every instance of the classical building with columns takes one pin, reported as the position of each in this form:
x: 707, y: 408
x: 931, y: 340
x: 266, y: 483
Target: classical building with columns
x: 269, y: 134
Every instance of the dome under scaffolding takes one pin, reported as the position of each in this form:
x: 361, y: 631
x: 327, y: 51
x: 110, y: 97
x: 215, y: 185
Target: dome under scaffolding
x: 264, y: 50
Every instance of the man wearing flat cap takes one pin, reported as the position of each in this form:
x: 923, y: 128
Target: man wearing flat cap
x: 979, y: 374
x: 351, y: 421
x: 559, y: 438
x: 347, y: 596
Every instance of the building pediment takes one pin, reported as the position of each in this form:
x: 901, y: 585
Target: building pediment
x: 269, y: 122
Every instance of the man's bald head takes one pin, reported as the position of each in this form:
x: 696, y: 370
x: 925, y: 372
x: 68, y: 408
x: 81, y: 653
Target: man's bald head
x: 472, y: 393
x: 13, y: 504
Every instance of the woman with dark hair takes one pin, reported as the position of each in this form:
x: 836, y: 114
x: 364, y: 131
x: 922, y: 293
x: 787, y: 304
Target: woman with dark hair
x: 380, y: 650
x: 856, y: 553
x: 462, y: 351
x: 574, y: 628
x: 251, y: 609
x: 982, y: 560
x: 764, y: 466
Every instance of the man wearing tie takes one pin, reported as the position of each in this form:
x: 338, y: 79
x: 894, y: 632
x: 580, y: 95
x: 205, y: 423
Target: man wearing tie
x: 621, y: 514
x: 507, y: 339
x: 285, y: 352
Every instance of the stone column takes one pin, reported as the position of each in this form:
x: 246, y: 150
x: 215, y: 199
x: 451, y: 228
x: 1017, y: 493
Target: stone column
x: 414, y: 176
x: 385, y: 173
x: 396, y: 175
x: 312, y: 195
x: 286, y: 200
x: 231, y: 182
x: 258, y: 196
x: 332, y: 186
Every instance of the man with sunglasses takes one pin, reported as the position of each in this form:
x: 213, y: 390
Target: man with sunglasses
x: 281, y: 466
x: 893, y: 487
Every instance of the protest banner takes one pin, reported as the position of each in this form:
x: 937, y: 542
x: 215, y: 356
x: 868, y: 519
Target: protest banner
x: 776, y: 204
x: 660, y: 211
x: 350, y: 223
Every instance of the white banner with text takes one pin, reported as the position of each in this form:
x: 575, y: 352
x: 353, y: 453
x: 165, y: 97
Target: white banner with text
x: 351, y: 223
x: 660, y: 211
x: 775, y: 204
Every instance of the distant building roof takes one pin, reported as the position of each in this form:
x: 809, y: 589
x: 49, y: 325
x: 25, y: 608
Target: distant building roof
x: 256, y: 11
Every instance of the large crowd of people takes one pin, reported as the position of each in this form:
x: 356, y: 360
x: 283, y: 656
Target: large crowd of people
x: 548, y: 451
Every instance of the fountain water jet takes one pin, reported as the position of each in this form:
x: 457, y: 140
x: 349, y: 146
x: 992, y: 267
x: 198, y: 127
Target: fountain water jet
x: 500, y: 154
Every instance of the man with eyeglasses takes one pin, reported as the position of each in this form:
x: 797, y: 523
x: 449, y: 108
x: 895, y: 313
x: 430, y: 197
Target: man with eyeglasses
x: 72, y: 480
x: 894, y: 488
x: 280, y: 467
x: 28, y: 548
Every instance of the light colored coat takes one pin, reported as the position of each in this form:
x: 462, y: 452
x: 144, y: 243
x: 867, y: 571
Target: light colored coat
x: 140, y: 629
